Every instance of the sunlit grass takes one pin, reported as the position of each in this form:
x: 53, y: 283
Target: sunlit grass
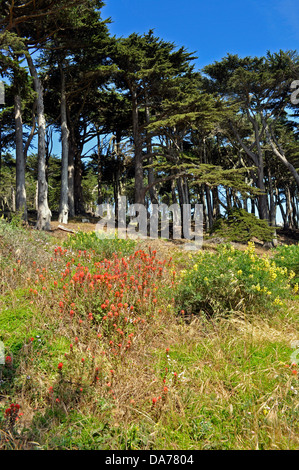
x: 147, y: 377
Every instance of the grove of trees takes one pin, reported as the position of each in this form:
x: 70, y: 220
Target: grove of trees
x: 133, y: 116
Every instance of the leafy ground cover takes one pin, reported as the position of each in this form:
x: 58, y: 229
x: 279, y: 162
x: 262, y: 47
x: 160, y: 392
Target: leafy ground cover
x: 138, y: 345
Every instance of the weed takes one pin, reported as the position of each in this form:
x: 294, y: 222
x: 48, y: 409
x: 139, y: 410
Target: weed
x: 100, y: 358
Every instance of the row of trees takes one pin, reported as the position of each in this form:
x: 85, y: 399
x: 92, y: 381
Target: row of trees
x: 160, y: 130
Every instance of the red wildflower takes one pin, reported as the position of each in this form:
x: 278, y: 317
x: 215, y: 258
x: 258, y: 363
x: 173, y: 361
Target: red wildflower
x: 8, y: 360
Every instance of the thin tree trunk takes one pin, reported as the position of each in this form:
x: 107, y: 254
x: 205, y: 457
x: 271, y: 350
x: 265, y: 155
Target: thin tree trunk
x: 71, y: 179
x: 139, y: 186
x: 13, y: 199
x: 173, y: 193
x: 64, y: 208
x: 228, y: 199
x: 216, y: 205
x: 283, y: 214
x: 152, y: 191
x: 258, y: 160
x: 78, y: 191
x: 294, y: 209
x: 21, y: 204
x: 289, y: 212
x: 209, y: 206
x: 43, y: 212
x: 99, y: 165
x: 205, y: 212
x: 272, y: 212
x: 279, y: 152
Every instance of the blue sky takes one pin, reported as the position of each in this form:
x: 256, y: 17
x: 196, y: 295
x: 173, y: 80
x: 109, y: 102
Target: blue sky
x: 211, y: 28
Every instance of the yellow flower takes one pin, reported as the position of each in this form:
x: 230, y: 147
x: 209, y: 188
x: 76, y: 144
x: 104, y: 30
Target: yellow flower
x: 277, y: 301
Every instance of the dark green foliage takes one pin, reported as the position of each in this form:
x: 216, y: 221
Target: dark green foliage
x: 241, y: 226
x: 288, y: 256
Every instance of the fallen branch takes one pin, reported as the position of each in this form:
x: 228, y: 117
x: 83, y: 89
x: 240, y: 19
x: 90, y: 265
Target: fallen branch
x: 65, y: 229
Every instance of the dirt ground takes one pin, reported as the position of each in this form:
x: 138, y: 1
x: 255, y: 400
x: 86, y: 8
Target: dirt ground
x: 87, y: 223
x: 62, y: 231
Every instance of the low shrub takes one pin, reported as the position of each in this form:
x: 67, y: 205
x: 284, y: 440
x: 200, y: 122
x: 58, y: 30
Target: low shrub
x: 241, y: 226
x: 288, y: 256
x: 232, y: 280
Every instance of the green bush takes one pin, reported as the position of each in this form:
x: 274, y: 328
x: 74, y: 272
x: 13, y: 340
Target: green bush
x: 105, y: 247
x: 241, y: 226
x: 231, y: 280
x: 288, y: 256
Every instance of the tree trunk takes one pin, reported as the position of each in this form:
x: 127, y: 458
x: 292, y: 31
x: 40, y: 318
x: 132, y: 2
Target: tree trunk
x: 152, y: 191
x: 283, y: 214
x: 21, y: 204
x: 78, y: 191
x: 279, y: 152
x: 204, y: 206
x: 99, y: 167
x: 13, y: 199
x: 139, y: 186
x: 272, y: 212
x: 71, y: 179
x: 228, y: 199
x: 209, y: 206
x: 43, y: 211
x: 216, y: 205
x: 64, y: 208
x: 258, y: 160
x: 289, y: 212
x: 294, y: 209
x: 173, y: 189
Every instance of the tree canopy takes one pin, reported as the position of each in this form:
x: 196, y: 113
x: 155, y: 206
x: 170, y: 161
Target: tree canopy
x: 135, y: 117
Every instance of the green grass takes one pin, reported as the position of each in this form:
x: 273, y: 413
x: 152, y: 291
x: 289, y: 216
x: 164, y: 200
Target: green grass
x: 234, y: 390
x: 105, y: 248
x: 223, y: 381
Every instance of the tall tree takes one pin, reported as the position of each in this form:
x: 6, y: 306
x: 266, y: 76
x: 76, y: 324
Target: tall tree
x: 145, y: 63
x: 258, y: 91
x: 11, y: 58
x: 76, y: 66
